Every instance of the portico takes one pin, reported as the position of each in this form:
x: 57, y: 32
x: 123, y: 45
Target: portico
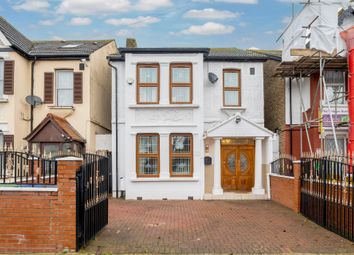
x: 242, y: 150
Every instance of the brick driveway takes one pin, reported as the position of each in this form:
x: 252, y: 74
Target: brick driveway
x: 211, y: 227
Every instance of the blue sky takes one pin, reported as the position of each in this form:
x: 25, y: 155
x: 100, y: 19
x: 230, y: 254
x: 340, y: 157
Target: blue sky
x: 154, y: 23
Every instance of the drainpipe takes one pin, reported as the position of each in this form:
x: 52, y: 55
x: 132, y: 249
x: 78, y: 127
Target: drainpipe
x: 32, y: 90
x: 116, y: 120
x: 348, y: 37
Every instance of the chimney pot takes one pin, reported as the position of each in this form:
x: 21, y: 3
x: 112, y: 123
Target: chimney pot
x: 131, y: 43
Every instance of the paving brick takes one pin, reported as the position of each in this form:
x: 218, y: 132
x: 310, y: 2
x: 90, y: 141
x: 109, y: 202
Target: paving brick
x: 204, y: 227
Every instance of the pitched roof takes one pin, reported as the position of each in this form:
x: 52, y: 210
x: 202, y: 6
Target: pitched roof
x: 74, y: 48
x: 272, y: 54
x: 62, y: 124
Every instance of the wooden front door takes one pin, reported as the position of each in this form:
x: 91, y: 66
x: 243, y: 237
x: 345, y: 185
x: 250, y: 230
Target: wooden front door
x: 237, y: 167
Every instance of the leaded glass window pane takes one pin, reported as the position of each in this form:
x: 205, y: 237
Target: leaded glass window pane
x: 148, y: 144
x: 181, y: 166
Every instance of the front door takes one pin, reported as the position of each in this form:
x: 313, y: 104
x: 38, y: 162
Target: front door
x: 237, y: 167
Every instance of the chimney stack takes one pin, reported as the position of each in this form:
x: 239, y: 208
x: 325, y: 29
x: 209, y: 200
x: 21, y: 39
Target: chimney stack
x: 131, y: 43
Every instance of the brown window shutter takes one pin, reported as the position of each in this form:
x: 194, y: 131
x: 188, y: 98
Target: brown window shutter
x: 48, y: 88
x: 77, y: 88
x: 9, y: 141
x: 9, y: 69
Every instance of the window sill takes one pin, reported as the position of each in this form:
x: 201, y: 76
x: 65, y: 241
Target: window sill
x: 239, y: 108
x: 164, y: 179
x: 162, y: 106
x: 55, y: 107
x: 4, y: 100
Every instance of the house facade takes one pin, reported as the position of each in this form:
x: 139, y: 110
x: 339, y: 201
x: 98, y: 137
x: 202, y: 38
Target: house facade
x: 66, y: 79
x: 314, y: 66
x: 190, y: 124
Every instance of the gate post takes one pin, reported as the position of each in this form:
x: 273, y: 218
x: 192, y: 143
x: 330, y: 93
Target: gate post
x: 297, y: 184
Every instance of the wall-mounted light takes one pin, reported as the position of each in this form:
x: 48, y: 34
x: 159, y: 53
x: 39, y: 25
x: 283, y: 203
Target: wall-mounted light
x: 238, y: 119
x: 130, y: 81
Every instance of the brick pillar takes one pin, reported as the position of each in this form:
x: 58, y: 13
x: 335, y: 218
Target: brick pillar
x: 297, y: 186
x: 66, y: 223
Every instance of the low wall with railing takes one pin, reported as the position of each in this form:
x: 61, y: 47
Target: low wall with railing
x: 37, y: 215
x: 285, y: 183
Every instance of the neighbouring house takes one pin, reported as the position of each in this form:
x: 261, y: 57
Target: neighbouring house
x: 53, y: 94
x: 190, y: 124
x: 314, y: 66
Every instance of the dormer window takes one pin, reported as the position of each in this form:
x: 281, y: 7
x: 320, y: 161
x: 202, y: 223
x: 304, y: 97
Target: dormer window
x: 181, y: 83
x: 148, y: 83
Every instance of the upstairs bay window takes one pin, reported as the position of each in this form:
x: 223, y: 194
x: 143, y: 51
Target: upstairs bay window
x: 335, y: 82
x: 65, y: 87
x: 181, y: 83
x: 181, y: 155
x: 147, y: 155
x: 232, y: 87
x: 148, y: 83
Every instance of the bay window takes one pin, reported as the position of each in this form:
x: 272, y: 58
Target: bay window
x: 232, y: 87
x: 148, y: 155
x: 65, y: 87
x: 181, y: 83
x: 148, y: 83
x: 181, y: 155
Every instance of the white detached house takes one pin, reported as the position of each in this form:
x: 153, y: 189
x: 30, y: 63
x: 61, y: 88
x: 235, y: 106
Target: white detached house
x: 189, y: 123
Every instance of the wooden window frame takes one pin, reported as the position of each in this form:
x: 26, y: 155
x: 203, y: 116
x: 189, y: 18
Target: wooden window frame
x: 149, y: 155
x: 181, y: 155
x: 190, y: 84
x: 232, y: 88
x: 139, y: 84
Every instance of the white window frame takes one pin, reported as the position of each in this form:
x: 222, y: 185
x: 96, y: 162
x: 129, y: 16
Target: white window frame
x: 57, y: 72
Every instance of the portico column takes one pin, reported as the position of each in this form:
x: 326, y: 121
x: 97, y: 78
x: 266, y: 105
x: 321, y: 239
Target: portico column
x: 217, y: 190
x: 258, y: 186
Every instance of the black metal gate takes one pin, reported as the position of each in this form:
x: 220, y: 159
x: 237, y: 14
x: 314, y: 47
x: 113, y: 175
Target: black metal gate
x: 91, y: 197
x: 327, y: 195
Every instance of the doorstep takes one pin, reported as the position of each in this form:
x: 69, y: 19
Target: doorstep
x: 235, y: 196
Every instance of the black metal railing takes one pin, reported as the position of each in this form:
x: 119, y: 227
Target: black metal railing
x: 282, y: 166
x: 327, y: 195
x: 92, y: 197
x: 21, y: 168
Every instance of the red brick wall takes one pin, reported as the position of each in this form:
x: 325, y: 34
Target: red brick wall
x: 286, y: 191
x: 37, y: 221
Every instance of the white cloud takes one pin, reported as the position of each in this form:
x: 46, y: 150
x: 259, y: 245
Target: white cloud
x: 273, y: 32
x: 238, y: 1
x: 209, y: 28
x: 150, y: 5
x: 140, y: 21
x: 79, y: 21
x: 50, y: 22
x: 210, y: 13
x: 93, y: 7
x: 99, y: 7
x: 32, y: 5
x: 123, y: 33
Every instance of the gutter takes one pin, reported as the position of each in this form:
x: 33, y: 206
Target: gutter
x: 32, y: 90
x: 116, y: 122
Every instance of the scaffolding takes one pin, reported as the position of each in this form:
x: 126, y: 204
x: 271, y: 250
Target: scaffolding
x: 305, y: 66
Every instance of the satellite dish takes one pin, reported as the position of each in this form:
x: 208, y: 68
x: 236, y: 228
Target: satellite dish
x: 33, y: 100
x: 212, y: 77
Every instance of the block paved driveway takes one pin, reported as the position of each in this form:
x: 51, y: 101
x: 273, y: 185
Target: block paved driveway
x: 211, y: 227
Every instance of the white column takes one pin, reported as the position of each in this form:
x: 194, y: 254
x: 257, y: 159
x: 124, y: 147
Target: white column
x: 164, y: 155
x: 258, y: 186
x: 217, y: 190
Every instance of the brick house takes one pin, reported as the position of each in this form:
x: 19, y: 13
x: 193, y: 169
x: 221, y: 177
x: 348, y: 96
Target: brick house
x: 69, y: 79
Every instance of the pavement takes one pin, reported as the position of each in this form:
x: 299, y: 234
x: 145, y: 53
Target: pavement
x: 211, y: 227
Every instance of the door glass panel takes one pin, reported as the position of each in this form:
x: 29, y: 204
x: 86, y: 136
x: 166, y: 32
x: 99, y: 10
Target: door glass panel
x: 244, y: 163
x: 231, y: 162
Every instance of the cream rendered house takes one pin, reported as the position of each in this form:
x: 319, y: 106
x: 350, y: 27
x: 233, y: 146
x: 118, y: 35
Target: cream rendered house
x: 72, y: 79
x: 188, y: 123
